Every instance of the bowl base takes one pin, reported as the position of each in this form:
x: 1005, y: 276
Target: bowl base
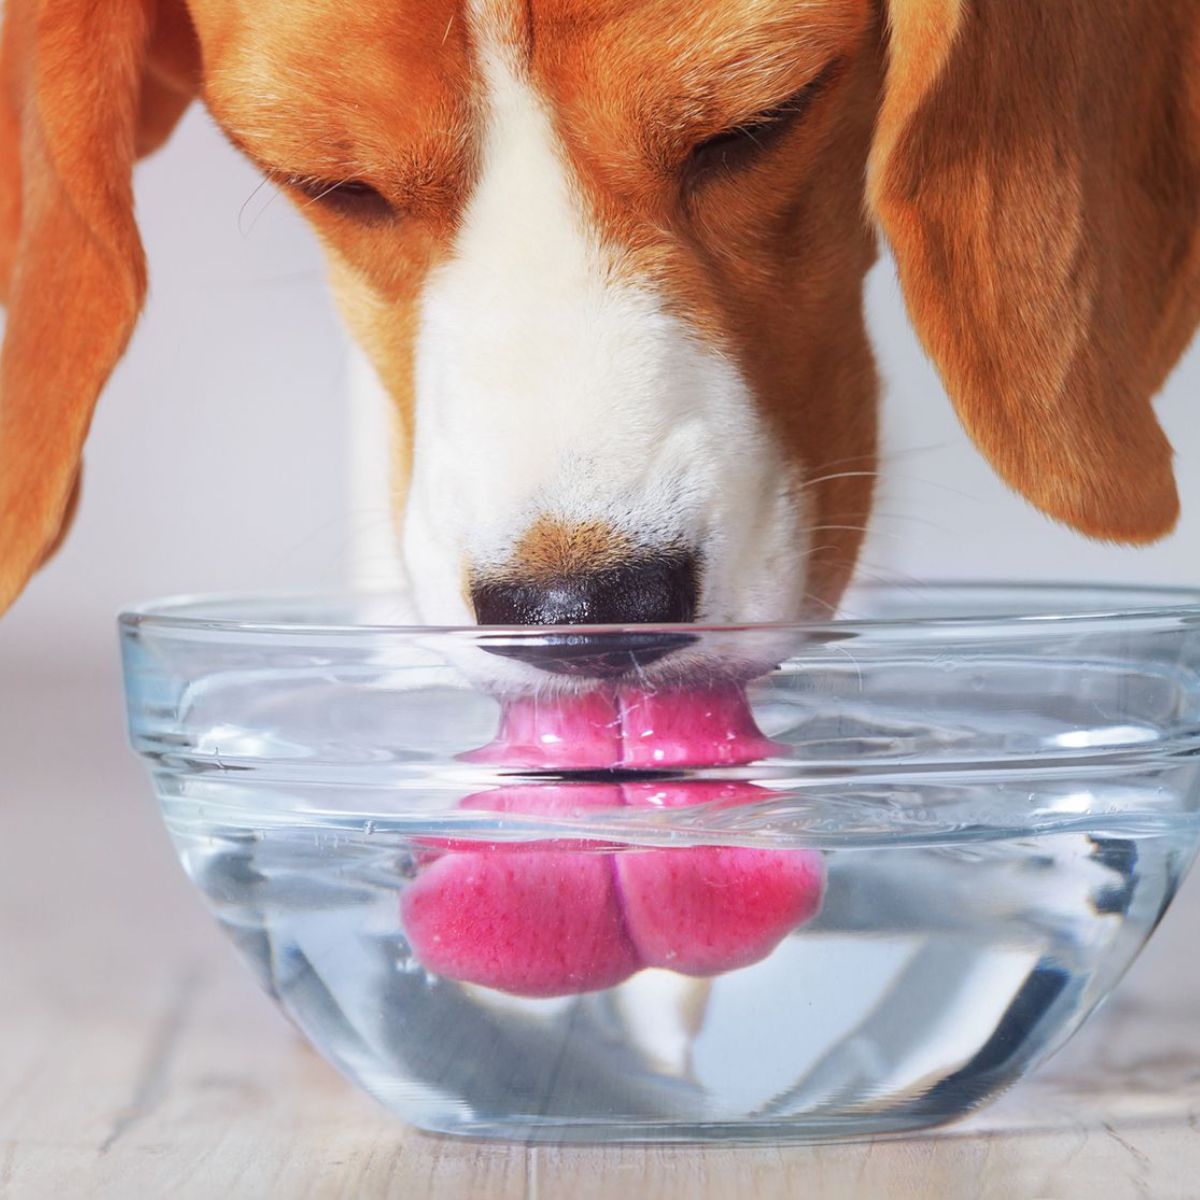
x: 798, y: 1130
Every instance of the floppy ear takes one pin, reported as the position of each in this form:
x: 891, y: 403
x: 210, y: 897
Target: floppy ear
x: 84, y: 88
x: 1037, y: 172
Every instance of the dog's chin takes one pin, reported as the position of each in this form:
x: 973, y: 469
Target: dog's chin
x: 569, y: 661
x: 582, y: 654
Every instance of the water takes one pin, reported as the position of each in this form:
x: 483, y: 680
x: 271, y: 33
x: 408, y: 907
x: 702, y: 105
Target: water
x: 936, y: 971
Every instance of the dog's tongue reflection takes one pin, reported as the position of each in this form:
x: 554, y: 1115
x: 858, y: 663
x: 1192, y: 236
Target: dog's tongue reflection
x: 557, y: 917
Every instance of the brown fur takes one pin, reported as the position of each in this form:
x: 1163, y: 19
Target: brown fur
x: 1042, y: 196
x: 550, y: 549
x: 70, y: 125
x: 1036, y: 167
x: 762, y: 262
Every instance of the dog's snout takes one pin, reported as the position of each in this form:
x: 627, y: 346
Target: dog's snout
x: 648, y: 590
x: 659, y: 589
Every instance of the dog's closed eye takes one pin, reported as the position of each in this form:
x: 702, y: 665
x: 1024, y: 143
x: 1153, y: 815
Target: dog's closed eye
x: 348, y: 197
x: 739, y: 145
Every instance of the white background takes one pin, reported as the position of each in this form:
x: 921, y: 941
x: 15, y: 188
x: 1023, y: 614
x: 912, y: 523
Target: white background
x: 221, y: 456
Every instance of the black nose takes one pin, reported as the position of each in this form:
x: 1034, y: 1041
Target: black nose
x: 650, y: 590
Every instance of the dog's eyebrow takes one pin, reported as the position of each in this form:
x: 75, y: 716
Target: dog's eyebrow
x: 416, y: 176
x: 319, y: 153
x: 272, y: 170
x: 739, y: 65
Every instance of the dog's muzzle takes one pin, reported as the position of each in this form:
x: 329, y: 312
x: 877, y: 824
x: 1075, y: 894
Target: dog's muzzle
x: 650, y: 590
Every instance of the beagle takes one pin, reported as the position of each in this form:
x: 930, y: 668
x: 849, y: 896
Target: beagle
x: 607, y: 258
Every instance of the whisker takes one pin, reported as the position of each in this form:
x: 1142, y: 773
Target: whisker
x: 813, y: 551
x: 812, y: 599
x: 899, y: 516
x: 845, y: 462
x: 262, y: 183
x: 898, y: 580
x: 909, y: 451
x: 864, y: 529
x: 889, y: 575
x: 808, y: 483
x: 933, y: 483
x: 333, y: 187
x: 865, y: 522
x: 876, y: 456
x: 853, y: 661
x: 261, y: 212
x: 885, y: 475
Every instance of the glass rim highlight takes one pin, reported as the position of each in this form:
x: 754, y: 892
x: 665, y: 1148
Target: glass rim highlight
x: 1107, y: 604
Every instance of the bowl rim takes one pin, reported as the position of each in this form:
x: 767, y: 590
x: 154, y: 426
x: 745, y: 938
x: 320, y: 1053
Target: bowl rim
x: 184, y: 612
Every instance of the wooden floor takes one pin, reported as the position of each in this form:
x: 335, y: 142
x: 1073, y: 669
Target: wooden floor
x: 139, y: 1060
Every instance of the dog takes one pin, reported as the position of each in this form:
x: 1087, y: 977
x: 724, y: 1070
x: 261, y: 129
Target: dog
x: 607, y: 258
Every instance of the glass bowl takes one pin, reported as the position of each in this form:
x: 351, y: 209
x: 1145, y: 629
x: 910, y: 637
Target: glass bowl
x: 671, y: 883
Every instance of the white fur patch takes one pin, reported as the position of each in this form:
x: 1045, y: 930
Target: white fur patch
x: 548, y: 385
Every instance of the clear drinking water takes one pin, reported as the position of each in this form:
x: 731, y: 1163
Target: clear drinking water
x: 963, y: 833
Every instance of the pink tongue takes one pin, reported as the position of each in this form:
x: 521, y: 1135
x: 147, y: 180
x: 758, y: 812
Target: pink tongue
x: 551, y: 918
x: 628, y: 728
x: 579, y: 733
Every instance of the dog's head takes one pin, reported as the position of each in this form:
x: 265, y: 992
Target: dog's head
x: 607, y: 257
